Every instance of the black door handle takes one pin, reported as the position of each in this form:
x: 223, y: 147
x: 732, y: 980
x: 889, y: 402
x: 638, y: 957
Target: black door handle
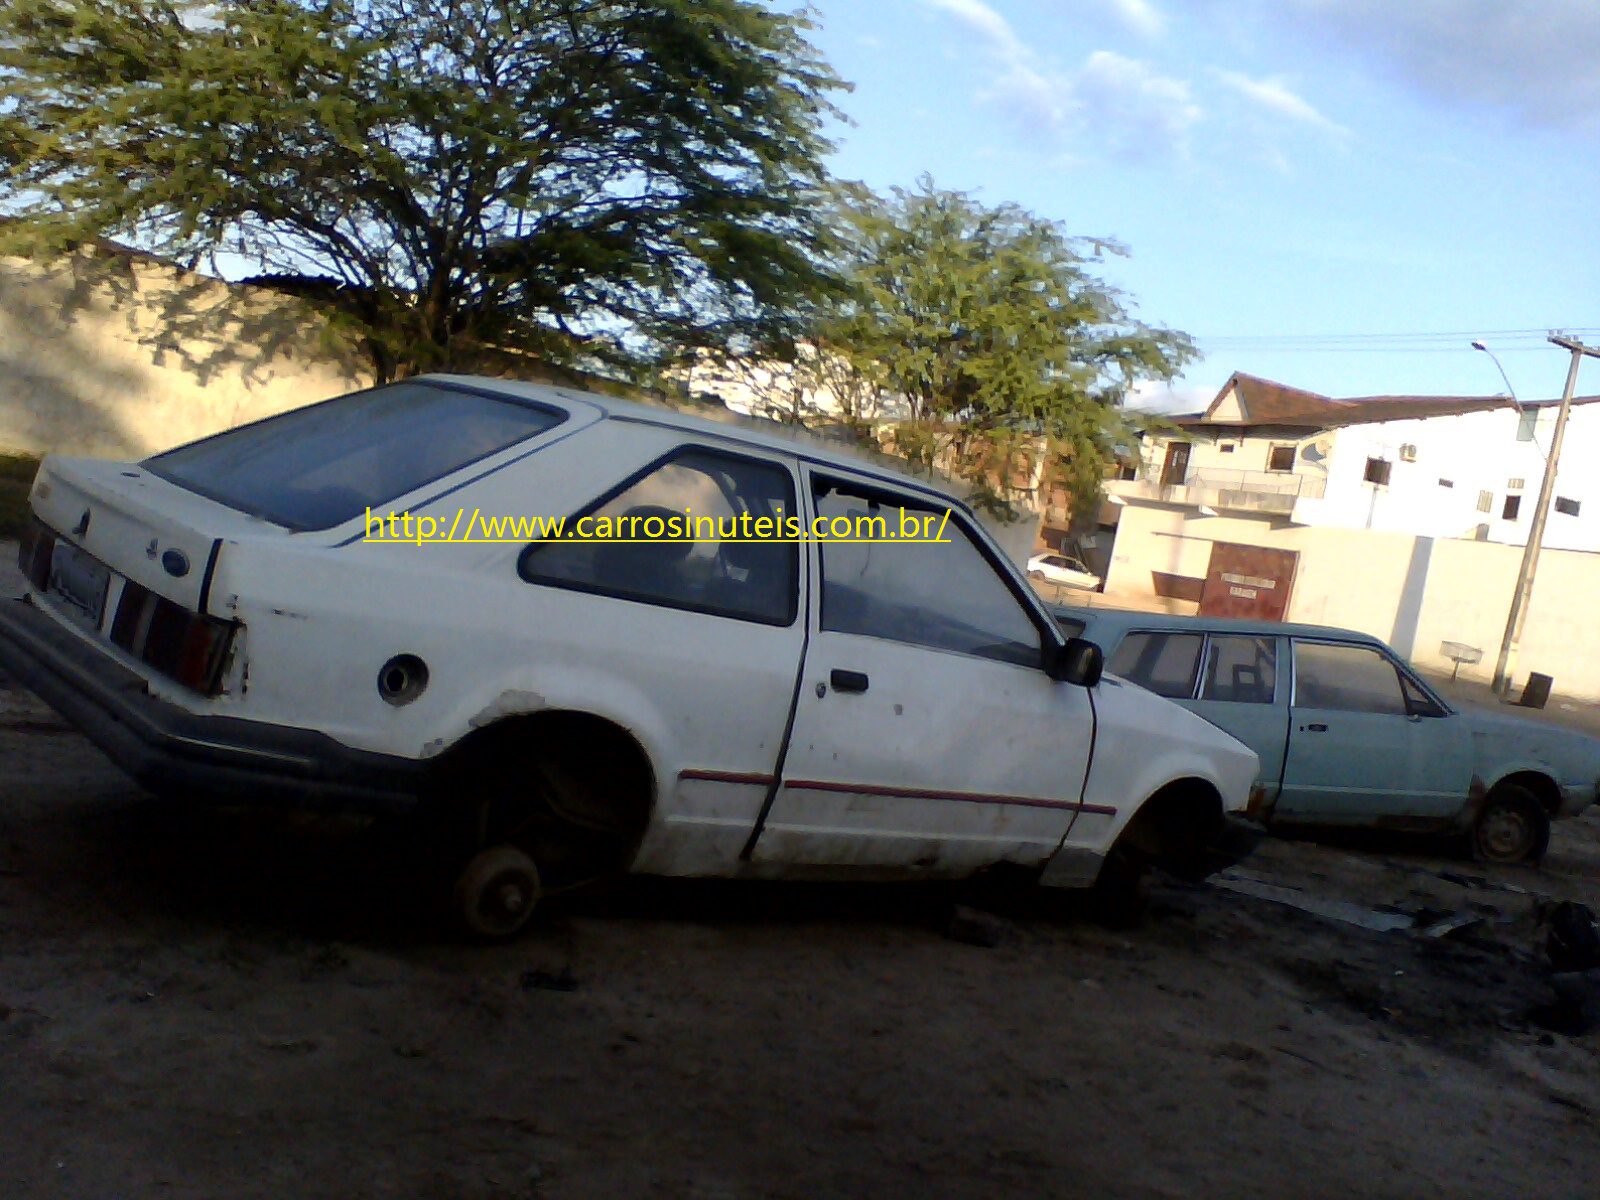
x: 1318, y: 728
x: 848, y: 681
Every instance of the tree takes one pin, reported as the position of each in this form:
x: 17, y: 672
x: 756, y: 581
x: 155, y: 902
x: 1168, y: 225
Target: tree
x: 993, y: 330
x: 612, y: 182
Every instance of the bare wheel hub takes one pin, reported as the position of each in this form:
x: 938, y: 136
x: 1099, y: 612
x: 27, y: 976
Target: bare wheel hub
x: 1505, y: 831
x: 497, y: 892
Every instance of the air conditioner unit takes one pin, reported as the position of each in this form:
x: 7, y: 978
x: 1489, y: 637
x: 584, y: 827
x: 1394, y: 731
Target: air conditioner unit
x: 1408, y: 452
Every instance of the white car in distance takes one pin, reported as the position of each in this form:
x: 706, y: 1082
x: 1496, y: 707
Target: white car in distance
x: 222, y: 621
x: 1062, y: 569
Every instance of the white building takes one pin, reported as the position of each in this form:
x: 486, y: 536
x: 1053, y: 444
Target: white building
x: 1433, y: 466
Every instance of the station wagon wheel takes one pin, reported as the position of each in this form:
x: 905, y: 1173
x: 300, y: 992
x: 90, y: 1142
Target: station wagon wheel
x: 496, y: 893
x: 1511, y: 827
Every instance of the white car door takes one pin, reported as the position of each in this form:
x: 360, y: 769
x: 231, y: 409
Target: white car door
x: 926, y: 734
x: 694, y: 643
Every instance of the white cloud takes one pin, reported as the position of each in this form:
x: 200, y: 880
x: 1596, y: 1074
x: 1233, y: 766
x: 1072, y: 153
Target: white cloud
x: 1274, y: 96
x: 1140, y: 16
x: 1536, y: 59
x: 984, y: 21
x: 1148, y: 396
x: 1121, y: 102
x: 1143, y: 114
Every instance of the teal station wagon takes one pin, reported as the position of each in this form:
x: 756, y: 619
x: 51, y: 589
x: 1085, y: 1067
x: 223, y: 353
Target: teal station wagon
x: 1349, y: 735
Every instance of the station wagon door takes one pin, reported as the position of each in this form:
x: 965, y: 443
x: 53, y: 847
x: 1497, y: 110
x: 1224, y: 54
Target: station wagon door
x: 926, y: 735
x: 1242, y: 692
x: 1229, y: 679
x: 1358, y: 752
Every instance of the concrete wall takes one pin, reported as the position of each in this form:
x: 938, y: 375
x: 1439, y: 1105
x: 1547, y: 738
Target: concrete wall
x: 1413, y: 592
x: 115, y: 354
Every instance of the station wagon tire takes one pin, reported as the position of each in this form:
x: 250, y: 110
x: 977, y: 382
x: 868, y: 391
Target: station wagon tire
x: 496, y: 893
x: 1511, y: 827
x: 1035, y: 574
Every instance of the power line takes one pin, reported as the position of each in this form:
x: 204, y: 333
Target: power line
x: 1441, y: 341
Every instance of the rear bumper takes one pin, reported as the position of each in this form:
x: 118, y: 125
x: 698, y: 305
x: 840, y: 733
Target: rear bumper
x: 168, y: 749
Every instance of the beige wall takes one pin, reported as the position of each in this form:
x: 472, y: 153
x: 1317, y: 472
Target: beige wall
x: 118, y: 355
x: 1413, y: 592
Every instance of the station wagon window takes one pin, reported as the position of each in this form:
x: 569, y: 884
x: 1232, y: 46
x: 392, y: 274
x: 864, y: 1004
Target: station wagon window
x: 320, y: 466
x: 1346, y: 678
x: 941, y: 594
x: 1240, y: 670
x: 1165, y: 663
x: 675, y: 539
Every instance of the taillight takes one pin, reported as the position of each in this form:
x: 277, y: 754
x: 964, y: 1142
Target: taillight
x: 34, y: 551
x: 186, y: 646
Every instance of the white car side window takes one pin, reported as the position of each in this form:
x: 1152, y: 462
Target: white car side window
x: 942, y: 594
x: 677, y: 542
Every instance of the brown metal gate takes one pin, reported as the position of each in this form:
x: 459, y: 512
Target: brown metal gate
x: 1248, y: 581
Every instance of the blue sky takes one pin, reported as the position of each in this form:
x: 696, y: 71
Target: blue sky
x: 1285, y: 172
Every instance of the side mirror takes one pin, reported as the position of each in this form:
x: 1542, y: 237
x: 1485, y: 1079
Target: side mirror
x: 1079, y: 662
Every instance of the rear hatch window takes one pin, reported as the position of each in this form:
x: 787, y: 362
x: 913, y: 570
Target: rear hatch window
x: 320, y: 466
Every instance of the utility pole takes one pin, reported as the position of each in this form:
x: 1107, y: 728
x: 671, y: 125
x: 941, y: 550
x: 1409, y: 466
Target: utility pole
x: 1530, y: 555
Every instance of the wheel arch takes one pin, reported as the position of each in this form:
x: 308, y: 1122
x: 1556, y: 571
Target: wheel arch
x: 1543, y: 787
x: 605, y: 777
x: 1176, y: 822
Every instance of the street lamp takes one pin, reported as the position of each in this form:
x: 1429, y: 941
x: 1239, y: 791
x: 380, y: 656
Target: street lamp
x: 1511, y: 392
x: 1530, y: 553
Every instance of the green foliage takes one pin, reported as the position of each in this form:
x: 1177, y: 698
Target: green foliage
x: 16, y: 479
x: 995, y: 332
x: 598, y: 182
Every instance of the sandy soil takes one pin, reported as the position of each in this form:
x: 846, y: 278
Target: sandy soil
x: 204, y: 1004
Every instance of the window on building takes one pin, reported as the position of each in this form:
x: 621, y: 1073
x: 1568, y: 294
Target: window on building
x: 1567, y: 505
x: 1527, y: 421
x: 1280, y: 458
x: 1450, y: 483
x: 1514, y: 484
x: 1175, y: 468
x: 1509, y: 510
x: 1485, y: 501
x: 1378, y: 471
x: 1227, y: 447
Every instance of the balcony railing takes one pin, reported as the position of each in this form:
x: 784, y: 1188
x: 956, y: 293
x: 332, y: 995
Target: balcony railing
x: 1248, y: 491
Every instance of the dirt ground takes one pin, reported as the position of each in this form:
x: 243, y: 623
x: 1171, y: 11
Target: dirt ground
x: 233, y: 1004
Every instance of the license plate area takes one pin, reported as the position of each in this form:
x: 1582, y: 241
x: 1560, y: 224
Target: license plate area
x: 81, y: 580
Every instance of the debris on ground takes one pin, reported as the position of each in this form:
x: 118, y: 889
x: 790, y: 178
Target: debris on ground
x: 1573, y: 943
x: 538, y: 979
x: 1378, y: 920
x: 976, y: 928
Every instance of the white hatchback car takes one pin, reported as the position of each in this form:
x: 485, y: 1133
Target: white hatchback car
x: 259, y: 615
